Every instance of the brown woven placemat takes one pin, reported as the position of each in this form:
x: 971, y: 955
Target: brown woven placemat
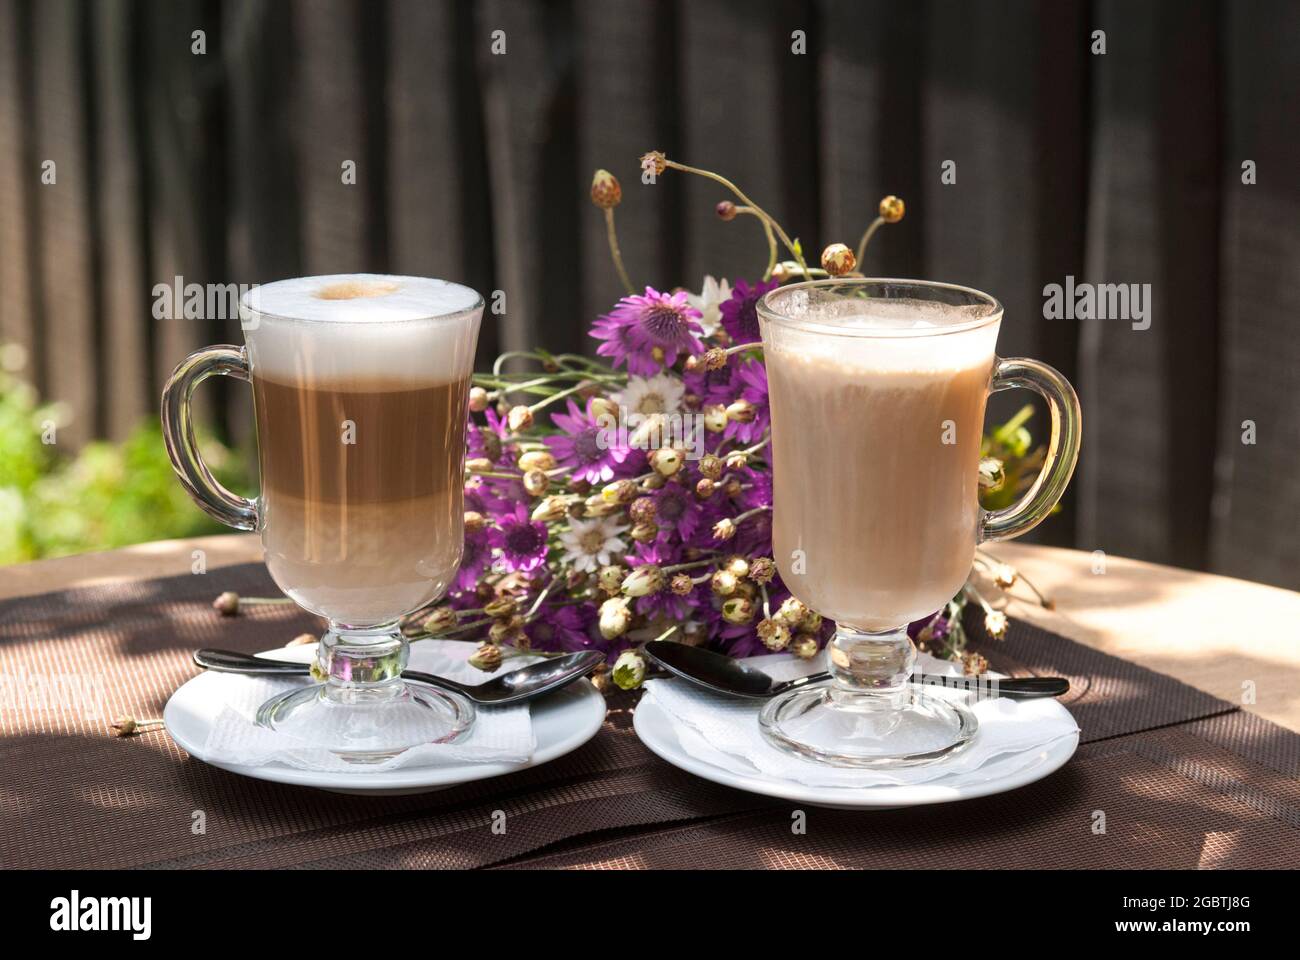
x: 1183, y: 779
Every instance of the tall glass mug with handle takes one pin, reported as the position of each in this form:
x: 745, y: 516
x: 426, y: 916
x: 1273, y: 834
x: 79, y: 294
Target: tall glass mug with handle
x: 360, y: 385
x: 877, y: 391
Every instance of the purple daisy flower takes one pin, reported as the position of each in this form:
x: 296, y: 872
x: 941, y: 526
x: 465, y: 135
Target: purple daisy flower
x: 586, y: 447
x: 521, y: 542
x: 751, y: 377
x: 677, y: 511
x: 640, y: 324
x: 475, y: 558
x: 562, y: 628
x: 740, y: 313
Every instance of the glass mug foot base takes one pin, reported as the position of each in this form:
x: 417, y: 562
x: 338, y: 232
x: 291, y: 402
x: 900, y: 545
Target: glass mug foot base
x: 848, y: 729
x: 365, y: 725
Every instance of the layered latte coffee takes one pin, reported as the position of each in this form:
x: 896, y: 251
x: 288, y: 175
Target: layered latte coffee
x: 360, y: 385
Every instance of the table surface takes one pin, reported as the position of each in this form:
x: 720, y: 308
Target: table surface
x: 1230, y: 638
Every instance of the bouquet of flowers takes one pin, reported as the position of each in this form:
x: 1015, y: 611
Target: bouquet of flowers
x: 624, y: 498
x: 628, y: 498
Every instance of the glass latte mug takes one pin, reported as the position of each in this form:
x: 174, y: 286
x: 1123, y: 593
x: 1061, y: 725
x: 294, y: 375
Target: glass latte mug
x: 877, y: 392
x: 360, y: 385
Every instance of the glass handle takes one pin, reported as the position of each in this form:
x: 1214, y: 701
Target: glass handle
x: 1062, y: 450
x: 182, y: 444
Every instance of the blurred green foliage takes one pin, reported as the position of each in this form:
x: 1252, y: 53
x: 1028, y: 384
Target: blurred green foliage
x: 106, y: 495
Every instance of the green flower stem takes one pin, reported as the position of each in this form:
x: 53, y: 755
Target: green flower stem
x: 614, y: 251
x: 867, y: 234
x: 771, y: 239
x: 1003, y: 433
x: 269, y: 601
x: 693, y: 565
x: 541, y: 404
x: 758, y: 211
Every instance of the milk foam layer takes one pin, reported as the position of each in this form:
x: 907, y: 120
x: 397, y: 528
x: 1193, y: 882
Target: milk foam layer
x: 856, y: 337
x: 361, y: 326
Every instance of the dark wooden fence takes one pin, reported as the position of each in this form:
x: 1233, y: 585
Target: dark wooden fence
x: 1124, y: 167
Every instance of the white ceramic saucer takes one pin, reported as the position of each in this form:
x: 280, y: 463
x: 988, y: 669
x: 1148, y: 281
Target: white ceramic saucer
x: 562, y: 722
x: 657, y: 730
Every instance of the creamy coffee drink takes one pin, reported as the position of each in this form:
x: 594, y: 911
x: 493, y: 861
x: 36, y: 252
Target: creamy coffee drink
x: 876, y: 446
x: 360, y: 386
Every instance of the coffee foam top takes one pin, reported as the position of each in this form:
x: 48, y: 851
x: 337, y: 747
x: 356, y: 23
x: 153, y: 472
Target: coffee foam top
x: 362, y: 325
x: 884, y: 336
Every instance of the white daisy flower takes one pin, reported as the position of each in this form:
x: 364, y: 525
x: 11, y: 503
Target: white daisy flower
x: 590, y: 544
x: 707, y: 301
x: 662, y: 393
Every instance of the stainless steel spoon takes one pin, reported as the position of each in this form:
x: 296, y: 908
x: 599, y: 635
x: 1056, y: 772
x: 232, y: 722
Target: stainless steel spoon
x: 726, y: 675
x: 510, y: 687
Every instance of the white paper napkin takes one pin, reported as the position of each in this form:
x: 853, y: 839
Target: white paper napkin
x: 499, y: 734
x: 724, y: 731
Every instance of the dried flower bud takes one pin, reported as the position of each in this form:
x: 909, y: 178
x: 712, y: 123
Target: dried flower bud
x: 604, y: 410
x: 501, y: 607
x: 536, y: 483
x: 506, y: 630
x: 536, y: 460
x: 762, y: 569
x: 737, y: 461
x: 620, y: 491
x: 641, y: 509
x: 1005, y: 576
x: 644, y: 532
x: 723, y: 583
x: 302, y: 640
x: 598, y: 506
x: 605, y: 190
x: 804, y: 646
x: 973, y: 664
x: 741, y: 411
x: 711, y: 466
x: 615, y: 617
x: 519, y: 418
x: 654, y: 162
x: 891, y: 209
x: 654, y: 482
x: 226, y: 604
x: 995, y: 622
x: 837, y: 260
x: 610, y: 578
x: 786, y: 270
x: 811, y: 623
x: 992, y: 474
x: 491, y: 443
x: 736, y: 565
x: 704, y: 488
x: 478, y: 399
x: 125, y: 726
x: 629, y: 670
x: 724, y: 529
x: 732, y: 488
x: 487, y: 657
x: 715, y: 358
x: 774, y: 634
x: 441, y: 620
x: 552, y: 508
x: 693, y: 363
x: 600, y: 681
x: 792, y: 611
x: 643, y: 581
x: 738, y: 610
x: 682, y: 584
x: 726, y: 210
x: 479, y: 465
x: 715, y: 418
x: 665, y: 461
